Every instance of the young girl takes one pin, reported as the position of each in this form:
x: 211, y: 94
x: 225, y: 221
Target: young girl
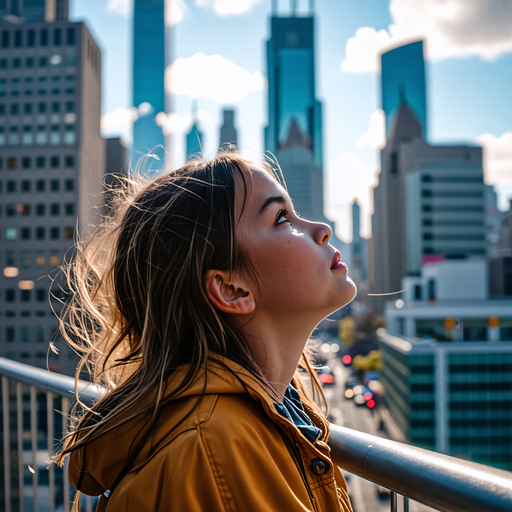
x: 193, y: 304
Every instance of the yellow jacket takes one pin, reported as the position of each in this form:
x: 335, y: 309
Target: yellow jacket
x: 234, y: 453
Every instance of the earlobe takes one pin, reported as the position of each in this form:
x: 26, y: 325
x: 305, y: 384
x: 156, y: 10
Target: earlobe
x: 228, y: 295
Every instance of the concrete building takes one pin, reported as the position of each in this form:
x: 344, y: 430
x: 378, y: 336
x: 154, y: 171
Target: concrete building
x: 52, y: 162
x: 405, y: 151
x: 228, y: 133
x: 500, y: 261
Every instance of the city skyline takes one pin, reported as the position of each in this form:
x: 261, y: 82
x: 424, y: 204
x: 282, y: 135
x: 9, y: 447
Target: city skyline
x: 350, y: 96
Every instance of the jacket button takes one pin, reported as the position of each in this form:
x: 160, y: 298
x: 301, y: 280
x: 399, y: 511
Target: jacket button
x: 320, y: 466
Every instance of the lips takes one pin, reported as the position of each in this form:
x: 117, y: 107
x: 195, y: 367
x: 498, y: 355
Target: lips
x: 336, y: 261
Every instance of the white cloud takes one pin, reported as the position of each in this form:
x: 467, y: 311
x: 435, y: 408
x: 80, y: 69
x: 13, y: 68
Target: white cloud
x: 174, y: 123
x: 125, y: 117
x: 349, y: 177
x: 228, y: 7
x: 212, y: 77
x: 174, y: 9
x: 375, y: 137
x: 451, y: 28
x: 497, y: 158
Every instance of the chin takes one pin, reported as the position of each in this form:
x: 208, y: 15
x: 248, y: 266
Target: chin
x: 348, y: 293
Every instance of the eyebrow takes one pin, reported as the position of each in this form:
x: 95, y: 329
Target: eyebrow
x: 270, y: 200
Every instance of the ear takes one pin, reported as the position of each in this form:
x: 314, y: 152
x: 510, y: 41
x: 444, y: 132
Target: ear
x: 228, y: 293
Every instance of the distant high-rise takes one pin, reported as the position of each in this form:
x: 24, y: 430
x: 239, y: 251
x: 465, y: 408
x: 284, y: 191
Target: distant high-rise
x: 149, y: 60
x: 36, y: 10
x: 194, y: 138
x: 358, y: 246
x: 228, y: 133
x: 403, y: 81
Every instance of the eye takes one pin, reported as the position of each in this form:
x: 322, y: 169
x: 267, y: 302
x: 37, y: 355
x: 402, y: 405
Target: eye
x: 281, y: 217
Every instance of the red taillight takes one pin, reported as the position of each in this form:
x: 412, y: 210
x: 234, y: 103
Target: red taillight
x: 371, y: 404
x: 347, y: 359
x: 326, y: 378
x: 367, y: 395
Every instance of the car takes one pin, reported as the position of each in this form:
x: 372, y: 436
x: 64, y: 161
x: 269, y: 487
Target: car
x: 325, y: 376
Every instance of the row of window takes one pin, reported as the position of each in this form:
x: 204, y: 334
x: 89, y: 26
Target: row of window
x: 452, y: 193
x: 28, y: 259
x: 427, y: 178
x: 450, y: 208
x: 481, y: 422
x: 39, y: 233
x: 25, y: 314
x: 56, y: 107
x: 455, y: 223
x: 481, y: 368
x: 39, y: 162
x: 450, y: 236
x: 40, y: 209
x: 27, y: 334
x: 481, y: 440
x: 26, y: 136
x: 42, y: 62
x: 11, y: 186
x: 20, y: 38
x: 42, y: 85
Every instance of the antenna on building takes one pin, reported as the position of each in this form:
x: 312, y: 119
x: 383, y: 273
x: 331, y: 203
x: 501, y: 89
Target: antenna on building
x: 294, y: 8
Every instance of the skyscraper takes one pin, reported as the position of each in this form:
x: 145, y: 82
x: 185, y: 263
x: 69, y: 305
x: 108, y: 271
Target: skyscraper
x: 52, y: 162
x: 194, y: 138
x: 149, y: 60
x: 36, y: 10
x: 228, y: 133
x: 403, y: 81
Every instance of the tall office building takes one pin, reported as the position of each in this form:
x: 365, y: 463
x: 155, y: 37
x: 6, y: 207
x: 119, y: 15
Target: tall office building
x: 52, y: 162
x: 437, y: 208
x: 149, y: 61
x: 228, y: 133
x: 403, y: 81
x: 194, y: 138
x: 358, y: 246
x: 36, y: 10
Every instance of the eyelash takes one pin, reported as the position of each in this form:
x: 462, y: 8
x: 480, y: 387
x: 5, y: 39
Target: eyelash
x: 282, y: 213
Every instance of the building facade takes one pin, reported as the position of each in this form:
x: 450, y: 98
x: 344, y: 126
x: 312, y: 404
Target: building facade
x: 36, y: 10
x: 228, y: 133
x: 403, y: 81
x: 149, y: 61
x: 52, y: 162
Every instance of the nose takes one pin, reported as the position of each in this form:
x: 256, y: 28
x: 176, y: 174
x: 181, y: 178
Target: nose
x: 322, y: 233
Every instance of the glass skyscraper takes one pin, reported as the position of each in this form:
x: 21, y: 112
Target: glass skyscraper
x: 294, y: 113
x: 36, y: 10
x: 148, y: 74
x: 403, y: 81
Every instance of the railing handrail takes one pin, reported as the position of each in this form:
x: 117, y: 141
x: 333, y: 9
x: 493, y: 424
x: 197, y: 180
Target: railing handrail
x: 439, y: 481
x: 46, y: 380
x: 445, y: 483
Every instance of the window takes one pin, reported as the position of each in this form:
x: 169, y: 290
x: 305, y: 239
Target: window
x: 394, y: 163
x: 427, y: 222
x: 40, y: 162
x: 25, y: 259
x: 41, y: 108
x: 427, y: 236
x: 70, y: 60
x: 55, y: 209
x: 2, y: 109
x: 10, y: 258
x: 15, y: 87
x: 14, y: 137
x: 68, y: 233
x: 55, y: 85
x: 25, y: 297
x: 27, y: 138
x: 70, y: 106
x: 40, y: 185
x: 28, y: 108
x: 427, y: 207
x: 6, y: 39
x: 54, y: 185
x: 43, y: 37
x: 71, y: 36
x: 12, y: 162
x: 431, y: 287
x: 43, y: 62
x: 3, y: 87
x: 10, y: 234
x: 26, y: 185
x: 55, y: 135
x: 69, y: 208
x: 31, y: 38
x: 10, y: 210
x: 15, y: 109
x: 426, y: 193
x: 11, y: 186
x: 16, y: 63
x: 29, y: 62
x: 10, y: 295
x: 40, y: 294
x: 69, y: 185
x: 55, y: 107
x: 41, y: 135
x: 69, y: 134
x: 40, y: 336
x: 69, y: 161
x: 70, y: 84
x: 42, y: 85
x: 54, y: 162
x: 29, y: 86
x: 9, y: 331
x: 18, y: 38
x: 417, y: 292
x: 25, y: 233
x: 55, y: 258
x: 40, y: 233
x: 57, y: 36
x: 40, y: 260
x: 54, y: 233
x: 24, y: 210
x: 3, y: 63
x: 40, y: 209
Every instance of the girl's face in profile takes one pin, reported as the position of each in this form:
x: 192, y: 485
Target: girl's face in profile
x: 299, y: 272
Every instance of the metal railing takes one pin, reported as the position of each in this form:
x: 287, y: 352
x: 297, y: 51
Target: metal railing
x: 444, y: 483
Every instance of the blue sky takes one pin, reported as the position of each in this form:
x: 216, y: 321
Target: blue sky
x: 469, y: 72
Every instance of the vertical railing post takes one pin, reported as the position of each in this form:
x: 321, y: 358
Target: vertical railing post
x: 7, y: 443
x: 51, y: 476
x: 394, y: 502
x: 406, y: 504
x: 67, y: 494
x: 33, y: 434
x: 19, y: 414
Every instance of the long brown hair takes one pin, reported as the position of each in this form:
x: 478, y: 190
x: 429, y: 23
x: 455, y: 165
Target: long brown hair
x: 138, y: 308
